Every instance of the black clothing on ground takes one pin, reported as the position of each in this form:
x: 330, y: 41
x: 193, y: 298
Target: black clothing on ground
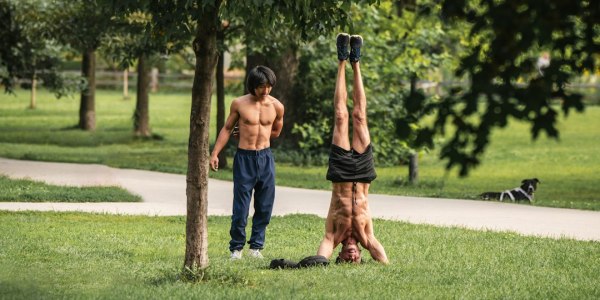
x: 310, y: 261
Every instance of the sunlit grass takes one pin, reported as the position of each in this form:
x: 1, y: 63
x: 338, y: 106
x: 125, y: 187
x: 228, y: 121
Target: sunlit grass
x: 74, y: 255
x: 20, y: 190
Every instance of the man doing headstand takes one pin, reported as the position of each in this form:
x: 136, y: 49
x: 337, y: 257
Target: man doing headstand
x: 351, y: 168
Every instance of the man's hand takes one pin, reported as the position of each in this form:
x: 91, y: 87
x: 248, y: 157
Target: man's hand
x: 214, y: 163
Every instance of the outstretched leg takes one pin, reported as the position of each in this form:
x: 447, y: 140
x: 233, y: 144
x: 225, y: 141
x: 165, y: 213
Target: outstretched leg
x: 360, y: 133
x: 340, y: 128
x: 360, y: 128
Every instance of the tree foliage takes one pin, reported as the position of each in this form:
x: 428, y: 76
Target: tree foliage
x: 82, y: 24
x: 397, y: 48
x: 503, y: 81
x: 28, y: 50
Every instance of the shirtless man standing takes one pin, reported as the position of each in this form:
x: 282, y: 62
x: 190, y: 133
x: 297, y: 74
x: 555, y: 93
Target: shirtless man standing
x: 351, y: 168
x: 260, y: 118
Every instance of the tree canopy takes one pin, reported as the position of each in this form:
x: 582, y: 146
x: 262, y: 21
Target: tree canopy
x: 500, y: 69
x: 28, y: 50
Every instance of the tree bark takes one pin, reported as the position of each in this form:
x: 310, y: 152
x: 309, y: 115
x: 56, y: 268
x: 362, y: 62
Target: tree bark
x: 221, y: 104
x: 141, y: 117
x: 205, y: 48
x: 87, y: 110
x: 154, y: 80
x: 286, y: 68
x: 126, y: 84
x: 413, y: 166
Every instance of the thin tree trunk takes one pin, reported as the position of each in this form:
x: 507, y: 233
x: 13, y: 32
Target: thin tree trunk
x: 205, y: 48
x: 125, y: 84
x: 141, y: 118
x: 154, y: 80
x: 87, y: 110
x: 221, y: 104
x: 32, y: 101
x: 413, y: 166
x: 286, y: 67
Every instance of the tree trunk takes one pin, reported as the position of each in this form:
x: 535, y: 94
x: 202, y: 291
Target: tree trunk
x: 205, y: 48
x: 125, y: 84
x: 87, y: 110
x: 413, y: 166
x: 32, y: 101
x: 141, y: 118
x: 221, y: 105
x: 154, y: 80
x: 286, y: 68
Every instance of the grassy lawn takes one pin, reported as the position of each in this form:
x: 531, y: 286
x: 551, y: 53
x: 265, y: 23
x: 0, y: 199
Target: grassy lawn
x: 74, y: 255
x: 15, y: 190
x: 568, y: 169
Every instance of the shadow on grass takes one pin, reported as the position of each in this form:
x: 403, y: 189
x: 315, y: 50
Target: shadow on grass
x: 72, y: 127
x: 73, y: 136
x: 165, y: 278
x: 223, y: 274
x: 25, y: 290
x: 428, y: 184
x: 152, y: 137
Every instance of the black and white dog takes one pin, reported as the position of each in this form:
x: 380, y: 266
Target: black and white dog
x: 523, y: 193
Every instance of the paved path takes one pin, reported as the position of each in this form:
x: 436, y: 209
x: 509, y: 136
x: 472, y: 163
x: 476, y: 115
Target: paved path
x: 164, y: 195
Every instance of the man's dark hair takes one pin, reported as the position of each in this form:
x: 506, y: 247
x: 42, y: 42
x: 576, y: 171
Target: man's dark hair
x: 260, y: 75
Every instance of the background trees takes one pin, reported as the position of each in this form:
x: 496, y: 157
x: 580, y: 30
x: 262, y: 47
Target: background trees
x: 503, y: 80
x: 403, y: 45
x: 132, y: 40
x: 82, y: 24
x: 493, y: 45
x: 29, y: 51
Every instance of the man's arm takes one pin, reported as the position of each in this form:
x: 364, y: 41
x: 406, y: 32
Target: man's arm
x: 367, y: 239
x: 224, y: 134
x: 376, y: 250
x: 328, y: 242
x: 278, y: 123
x: 326, y: 247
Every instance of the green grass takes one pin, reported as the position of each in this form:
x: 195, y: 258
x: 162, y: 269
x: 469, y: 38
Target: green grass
x: 19, y: 190
x: 568, y: 169
x: 47, y: 133
x: 74, y: 255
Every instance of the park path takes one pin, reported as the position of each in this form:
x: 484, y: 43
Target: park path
x: 164, y: 195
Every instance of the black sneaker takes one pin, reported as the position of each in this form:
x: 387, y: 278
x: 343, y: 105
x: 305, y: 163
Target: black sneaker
x: 356, y: 41
x: 342, y: 41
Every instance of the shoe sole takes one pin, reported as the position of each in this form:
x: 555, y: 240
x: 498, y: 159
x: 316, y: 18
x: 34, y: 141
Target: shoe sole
x: 356, y: 42
x: 341, y: 42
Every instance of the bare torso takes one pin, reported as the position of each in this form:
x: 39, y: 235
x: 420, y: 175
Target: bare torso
x: 255, y: 121
x: 259, y: 118
x: 349, y: 211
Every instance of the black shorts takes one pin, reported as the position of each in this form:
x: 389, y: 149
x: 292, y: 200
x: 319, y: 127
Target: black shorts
x: 351, y: 166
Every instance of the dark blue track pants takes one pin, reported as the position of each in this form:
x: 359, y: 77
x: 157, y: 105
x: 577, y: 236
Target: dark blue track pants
x: 252, y: 170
